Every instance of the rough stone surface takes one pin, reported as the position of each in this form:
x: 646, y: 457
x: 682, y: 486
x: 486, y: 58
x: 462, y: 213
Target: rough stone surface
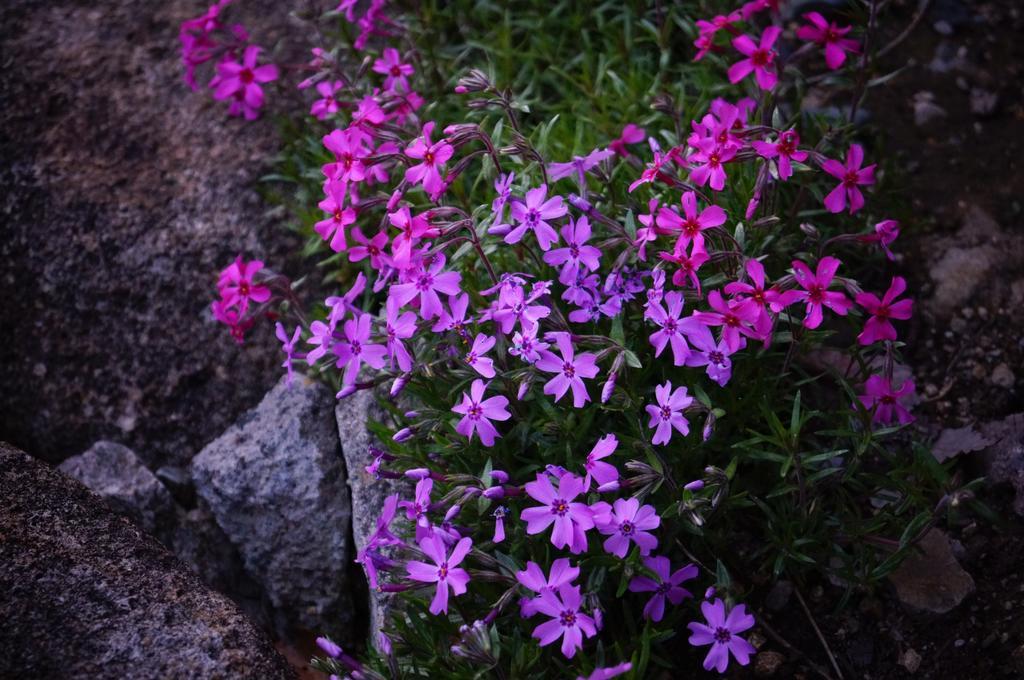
x: 1004, y: 459
x: 275, y: 482
x: 85, y: 594
x: 114, y: 472
x: 931, y: 580
x: 368, y: 494
x: 123, y: 194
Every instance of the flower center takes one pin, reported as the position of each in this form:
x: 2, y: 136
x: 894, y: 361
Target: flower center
x: 246, y: 76
x: 471, y: 358
x: 357, y: 348
x: 559, y: 507
x: 425, y: 282
x: 626, y: 528
x: 428, y: 158
x: 475, y: 412
x: 716, y: 357
x: 243, y: 289
x: 670, y: 326
x: 396, y: 71
x: 663, y: 588
x: 722, y: 635
x: 816, y: 293
x: 442, y: 571
x: 569, y: 370
x: 761, y: 58
x: 532, y: 218
x: 666, y: 412
x: 850, y: 180
x: 568, y: 618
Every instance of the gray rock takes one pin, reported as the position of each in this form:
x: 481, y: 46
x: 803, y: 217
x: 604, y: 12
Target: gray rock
x: 275, y: 482
x: 85, y: 594
x: 930, y: 580
x: 1004, y: 459
x: 958, y: 273
x: 1002, y: 376
x: 114, y: 472
x: 954, y: 441
x: 368, y: 493
x: 201, y: 544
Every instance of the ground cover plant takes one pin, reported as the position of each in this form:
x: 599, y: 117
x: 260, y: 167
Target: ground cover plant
x: 604, y: 266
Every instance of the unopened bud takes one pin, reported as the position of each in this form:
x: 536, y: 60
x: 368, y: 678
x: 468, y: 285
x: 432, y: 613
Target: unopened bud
x: 403, y: 434
x: 695, y: 485
x: 500, y: 476
x: 418, y: 473
x: 494, y: 493
x: 345, y: 391
x: 399, y: 384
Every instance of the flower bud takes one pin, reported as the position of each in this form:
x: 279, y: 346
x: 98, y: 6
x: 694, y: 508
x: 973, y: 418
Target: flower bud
x: 403, y: 434
x: 580, y: 203
x: 417, y: 473
x: 695, y: 485
x: 500, y: 476
x: 709, y: 593
x: 499, y: 229
x: 329, y: 648
x: 609, y: 486
x: 412, y: 415
x: 494, y: 493
x: 523, y: 387
x: 399, y: 384
x: 346, y: 391
x: 452, y: 512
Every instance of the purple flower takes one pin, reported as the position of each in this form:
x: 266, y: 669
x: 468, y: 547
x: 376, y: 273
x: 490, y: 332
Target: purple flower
x: 878, y: 326
x: 704, y: 352
x: 499, y: 523
x: 476, y: 359
x: 667, y: 586
x: 416, y: 510
x: 517, y: 307
x: 356, y: 349
x: 328, y: 105
x: 381, y: 537
x: 571, y: 520
x: 241, y: 82
x: 735, y: 318
x: 884, y: 398
x: 567, y: 620
x: 668, y: 413
x: 576, y: 253
x: 626, y: 521
x: 503, y: 185
x: 673, y: 327
x: 427, y: 282
x: 288, y: 347
x: 478, y: 412
x: 721, y: 633
x: 570, y: 369
x: 608, y: 672
x: 454, y: 321
x: 443, y: 572
x: 533, y: 214
x: 599, y: 471
x: 581, y: 165
x: 398, y: 327
x: 690, y: 224
x: 526, y: 346
x: 562, y: 572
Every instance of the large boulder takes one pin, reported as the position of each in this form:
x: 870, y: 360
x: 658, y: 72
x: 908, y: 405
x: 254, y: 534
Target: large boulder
x: 275, y: 483
x: 85, y: 594
x: 123, y: 195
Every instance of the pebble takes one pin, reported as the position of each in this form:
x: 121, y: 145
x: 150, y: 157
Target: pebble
x: 1002, y: 376
x: 910, y: 660
x: 767, y: 664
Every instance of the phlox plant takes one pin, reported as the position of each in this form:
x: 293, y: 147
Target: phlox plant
x: 611, y: 304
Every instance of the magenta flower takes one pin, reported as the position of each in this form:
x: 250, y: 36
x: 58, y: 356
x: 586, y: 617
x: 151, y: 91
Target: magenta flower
x: 850, y: 176
x: 571, y: 520
x: 756, y: 296
x: 673, y: 327
x: 735, y: 318
x: 397, y: 327
x: 721, y: 633
x: 533, y: 214
x: 570, y: 369
x: 705, y: 352
x: 626, y: 522
x: 631, y: 134
x: 241, y: 82
x: 476, y: 359
x: 602, y: 473
x: 562, y: 572
x: 327, y: 105
x: 349, y: 152
x: 413, y: 228
x: 426, y: 283
x: 381, y: 537
x: 688, y: 265
x: 884, y: 234
x: 830, y: 36
x: 526, y: 346
x: 369, y: 248
x: 455, y: 320
x: 816, y: 293
x: 332, y: 229
x: 691, y: 224
x: 667, y: 586
x: 567, y: 620
x: 668, y: 413
x: 416, y: 509
x: 878, y: 327
x: 880, y: 395
x: 356, y: 349
x: 707, y: 162
x: 431, y: 156
x: 576, y: 253
x: 502, y: 185
x: 760, y: 59
x: 784, y: 150
x: 580, y: 165
x: 477, y: 413
x: 237, y: 286
x: 518, y: 307
x: 288, y: 347
x: 444, y: 571
x: 396, y: 73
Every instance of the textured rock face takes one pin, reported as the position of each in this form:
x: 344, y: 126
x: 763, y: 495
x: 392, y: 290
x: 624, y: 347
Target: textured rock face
x: 275, y: 482
x: 84, y: 594
x: 124, y: 194
x: 114, y: 472
x: 932, y: 581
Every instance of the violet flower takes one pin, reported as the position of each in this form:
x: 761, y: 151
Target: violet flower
x: 668, y: 413
x: 476, y: 359
x: 533, y: 215
x: 372, y: 248
x: 705, y: 352
x: 567, y: 620
x: 426, y: 283
x: 562, y: 572
x: 477, y: 413
x: 667, y: 586
x: 444, y: 571
x: 571, y: 519
x: 626, y: 522
x: 288, y: 347
x: 720, y: 632
x: 673, y: 327
x: 570, y: 369
x: 600, y: 472
x: 356, y: 349
x: 576, y: 253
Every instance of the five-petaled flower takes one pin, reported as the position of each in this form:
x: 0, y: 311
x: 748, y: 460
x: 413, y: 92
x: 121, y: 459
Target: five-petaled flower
x: 533, y: 578
x: 831, y: 36
x: 477, y: 413
x: 884, y: 399
x: 356, y: 349
x: 879, y: 326
x: 666, y: 587
x: 668, y: 412
x: 626, y: 522
x: 816, y: 293
x: 533, y: 213
x: 850, y: 176
x: 760, y: 58
x: 445, y: 571
x: 570, y: 518
x: 567, y: 619
x: 432, y: 155
x: 570, y: 368
x: 721, y: 632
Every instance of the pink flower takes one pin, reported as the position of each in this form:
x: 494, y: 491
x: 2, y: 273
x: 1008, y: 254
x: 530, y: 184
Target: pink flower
x: 602, y: 473
x: 756, y: 296
x: 626, y: 522
x: 526, y: 346
x: 426, y: 283
x: 416, y: 509
x: 691, y: 224
x: 413, y: 228
x: 533, y: 214
x: 880, y: 395
x: 673, y: 327
x: 653, y: 169
x: 332, y: 229
x: 576, y: 234
x: 328, y: 105
x: 398, y: 327
x: 349, y: 151
x: 454, y: 321
x: 850, y: 177
x: 885, y: 233
x: 431, y: 156
x: 608, y: 672
x: 581, y: 165
x: 444, y: 571
x: 532, y: 578
x: 502, y: 185
x: 356, y: 349
x: 760, y: 59
x: 829, y: 36
x: 237, y: 287
x: 784, y: 150
x: 241, y: 82
x: 631, y: 134
x: 721, y: 633
x: 372, y: 248
x: 476, y: 359
x: 816, y: 293
x: 735, y: 318
x: 570, y: 370
x: 391, y: 66
x: 706, y: 353
x: 567, y: 620
x: 668, y: 413
x: 688, y: 264
x: 878, y: 327
x: 288, y: 346
x: 477, y: 413
x: 666, y: 587
x: 707, y: 162
x: 571, y: 520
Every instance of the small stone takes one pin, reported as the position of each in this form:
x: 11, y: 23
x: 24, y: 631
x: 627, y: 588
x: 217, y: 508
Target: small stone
x: 910, y: 660
x: 943, y: 27
x: 767, y: 664
x: 930, y: 579
x: 926, y: 110
x: 1002, y: 376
